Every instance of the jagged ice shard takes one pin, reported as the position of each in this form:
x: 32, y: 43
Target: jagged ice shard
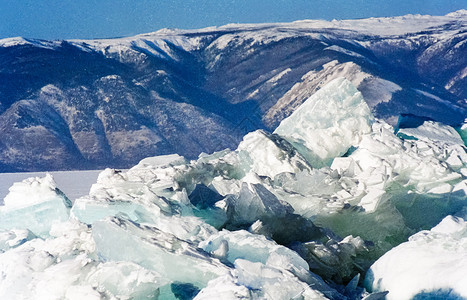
x: 34, y: 204
x: 328, y: 123
x: 302, y: 213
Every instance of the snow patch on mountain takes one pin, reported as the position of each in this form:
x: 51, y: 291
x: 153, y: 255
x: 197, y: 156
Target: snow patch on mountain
x: 447, y: 103
x: 158, y: 44
x: 20, y: 41
x: 345, y: 51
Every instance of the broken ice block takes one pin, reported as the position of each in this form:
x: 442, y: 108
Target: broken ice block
x: 253, y: 247
x: 328, y: 123
x: 13, y: 238
x: 177, y: 260
x: 126, y: 280
x: 89, y: 210
x: 270, y: 154
x: 254, y: 202
x: 34, y: 204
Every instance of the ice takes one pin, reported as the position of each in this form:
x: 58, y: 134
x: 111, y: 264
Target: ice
x: 311, y: 193
x: 461, y: 188
x: 253, y: 247
x: 18, y: 266
x: 34, y: 204
x: 328, y: 123
x: 33, y: 191
x: 77, y: 292
x: 126, y: 280
x: 257, y: 281
x: 208, y: 205
x: 74, y: 184
x: 161, y: 161
x: 65, y: 266
x: 396, y: 187
x: 267, y: 282
x: 345, y: 166
x: 372, y: 199
x: 55, y: 282
x: 143, y: 195
x: 254, y: 202
x: 14, y: 238
x: 336, y: 260
x: 88, y: 210
x: 186, y: 227
x: 270, y: 154
x: 386, y: 159
x: 204, y: 197
x: 48, y: 268
x: 431, y: 264
x: 224, y: 287
x: 225, y: 186
x: 271, y: 283
x: 155, y: 250
x: 70, y: 239
x: 266, y: 268
x: 433, y: 131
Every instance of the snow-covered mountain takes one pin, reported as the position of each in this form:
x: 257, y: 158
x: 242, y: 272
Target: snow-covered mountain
x: 319, y: 209
x: 93, y: 103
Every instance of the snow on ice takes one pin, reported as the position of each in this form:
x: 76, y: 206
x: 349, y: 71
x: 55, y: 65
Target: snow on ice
x: 321, y: 208
x: 431, y: 265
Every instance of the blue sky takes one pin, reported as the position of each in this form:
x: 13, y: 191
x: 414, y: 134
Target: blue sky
x: 66, y: 19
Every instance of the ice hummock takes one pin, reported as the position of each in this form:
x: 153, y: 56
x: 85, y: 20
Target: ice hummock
x: 327, y: 124
x: 34, y: 204
x: 433, y: 131
x: 271, y: 154
x: 300, y: 213
x: 431, y: 265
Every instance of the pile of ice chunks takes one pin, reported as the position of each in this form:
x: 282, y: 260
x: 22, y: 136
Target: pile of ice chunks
x: 302, y: 213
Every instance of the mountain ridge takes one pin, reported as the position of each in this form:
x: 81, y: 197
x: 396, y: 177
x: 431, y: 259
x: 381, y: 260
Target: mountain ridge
x: 192, y: 91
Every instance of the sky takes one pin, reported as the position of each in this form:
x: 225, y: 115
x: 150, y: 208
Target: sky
x: 69, y: 19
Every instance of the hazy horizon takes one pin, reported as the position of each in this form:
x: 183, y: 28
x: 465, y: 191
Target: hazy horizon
x: 66, y: 19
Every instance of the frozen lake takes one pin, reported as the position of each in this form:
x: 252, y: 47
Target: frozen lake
x: 73, y: 183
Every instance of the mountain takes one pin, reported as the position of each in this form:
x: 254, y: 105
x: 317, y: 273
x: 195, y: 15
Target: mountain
x: 80, y: 104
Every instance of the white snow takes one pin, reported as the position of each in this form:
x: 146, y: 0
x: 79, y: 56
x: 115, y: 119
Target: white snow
x: 342, y: 50
x: 157, y: 44
x: 18, y: 41
x: 429, y: 95
x: 431, y: 261
x: 433, y: 131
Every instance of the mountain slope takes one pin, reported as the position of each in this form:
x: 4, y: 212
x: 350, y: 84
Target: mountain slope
x: 95, y: 103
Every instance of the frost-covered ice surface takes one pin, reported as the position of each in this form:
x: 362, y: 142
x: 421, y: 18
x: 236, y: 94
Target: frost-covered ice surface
x: 74, y: 184
x: 431, y: 264
x: 331, y: 121
x: 301, y: 213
